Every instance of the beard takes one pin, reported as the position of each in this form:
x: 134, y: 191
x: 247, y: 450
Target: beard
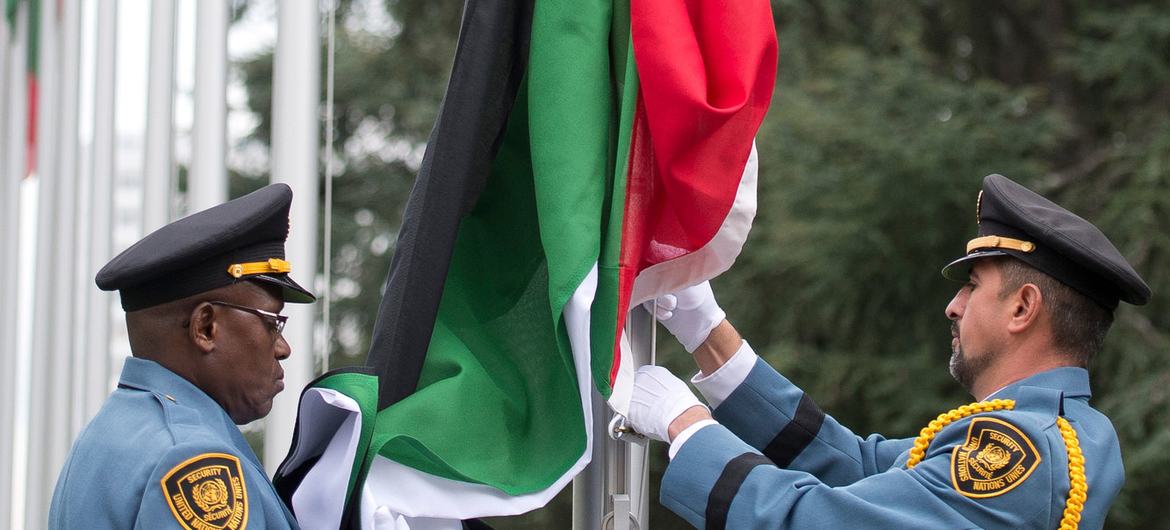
x: 964, y: 368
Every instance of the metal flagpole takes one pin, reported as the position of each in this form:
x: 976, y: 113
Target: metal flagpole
x: 13, y: 174
x: 100, y: 218
x: 47, y: 435
x: 638, y: 471
x: 589, y: 506
x: 9, y: 204
x: 295, y: 98
x: 85, y: 359
x: 327, y: 251
x: 611, y: 493
x: 207, y: 181
x: 7, y: 250
x: 65, y: 295
x: 631, y: 480
x: 158, y: 181
x: 24, y: 423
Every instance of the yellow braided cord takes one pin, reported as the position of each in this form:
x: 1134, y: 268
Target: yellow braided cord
x: 928, y: 433
x: 1078, y: 488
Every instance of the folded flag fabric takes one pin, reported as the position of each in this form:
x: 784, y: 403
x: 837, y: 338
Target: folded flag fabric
x: 588, y: 155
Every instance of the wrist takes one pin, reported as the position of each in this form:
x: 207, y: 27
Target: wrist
x: 721, y: 345
x: 689, y: 417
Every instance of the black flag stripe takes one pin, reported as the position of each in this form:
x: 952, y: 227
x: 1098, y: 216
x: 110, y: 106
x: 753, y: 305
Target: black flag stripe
x: 489, y: 66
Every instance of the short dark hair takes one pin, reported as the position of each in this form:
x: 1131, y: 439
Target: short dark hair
x: 1079, y: 324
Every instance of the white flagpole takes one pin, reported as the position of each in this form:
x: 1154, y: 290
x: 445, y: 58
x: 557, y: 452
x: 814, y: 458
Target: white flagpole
x: 207, y: 183
x: 9, y: 205
x: 326, y: 292
x: 84, y: 358
x: 7, y: 249
x: 158, y: 181
x: 612, y: 491
x: 65, y: 270
x: 14, y: 171
x: 48, y: 437
x: 100, y: 360
x: 589, y: 496
x: 637, y: 479
x: 295, y: 122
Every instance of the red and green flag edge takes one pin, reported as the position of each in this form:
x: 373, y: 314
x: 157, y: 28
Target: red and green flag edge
x: 689, y: 171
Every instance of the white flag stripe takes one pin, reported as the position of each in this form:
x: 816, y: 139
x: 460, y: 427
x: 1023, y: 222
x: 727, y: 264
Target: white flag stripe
x: 623, y: 384
x: 716, y: 256
x: 322, y: 504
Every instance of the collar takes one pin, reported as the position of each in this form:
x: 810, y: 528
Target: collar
x: 149, y: 376
x: 1072, y: 381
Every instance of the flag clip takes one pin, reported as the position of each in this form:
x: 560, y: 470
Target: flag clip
x: 620, y: 431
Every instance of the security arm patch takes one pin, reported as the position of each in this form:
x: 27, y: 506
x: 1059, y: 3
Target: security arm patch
x: 207, y: 492
x: 995, y: 458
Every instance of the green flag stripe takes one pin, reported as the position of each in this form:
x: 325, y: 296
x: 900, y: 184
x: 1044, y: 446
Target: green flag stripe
x: 499, y: 370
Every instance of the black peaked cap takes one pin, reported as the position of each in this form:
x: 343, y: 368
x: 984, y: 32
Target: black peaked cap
x: 1015, y: 221
x: 242, y: 239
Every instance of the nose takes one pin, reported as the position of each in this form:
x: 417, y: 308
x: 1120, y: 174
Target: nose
x: 958, y: 304
x: 283, y: 350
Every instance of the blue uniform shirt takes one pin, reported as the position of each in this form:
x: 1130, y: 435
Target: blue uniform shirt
x: 776, y: 461
x: 162, y: 454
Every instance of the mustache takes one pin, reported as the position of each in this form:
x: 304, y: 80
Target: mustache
x: 955, y: 329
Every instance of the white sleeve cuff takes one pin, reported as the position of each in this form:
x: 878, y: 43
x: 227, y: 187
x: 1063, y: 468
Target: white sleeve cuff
x: 717, y: 386
x: 682, y: 437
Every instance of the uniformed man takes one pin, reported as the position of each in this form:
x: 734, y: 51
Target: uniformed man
x: 1041, y: 286
x: 203, y: 297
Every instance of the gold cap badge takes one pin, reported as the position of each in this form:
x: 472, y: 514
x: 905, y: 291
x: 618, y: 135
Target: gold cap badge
x: 259, y: 267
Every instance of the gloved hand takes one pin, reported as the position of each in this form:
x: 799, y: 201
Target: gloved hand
x: 658, y: 398
x: 689, y: 314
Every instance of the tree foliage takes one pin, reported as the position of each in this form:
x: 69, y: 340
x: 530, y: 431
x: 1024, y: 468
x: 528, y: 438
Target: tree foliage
x: 885, y: 118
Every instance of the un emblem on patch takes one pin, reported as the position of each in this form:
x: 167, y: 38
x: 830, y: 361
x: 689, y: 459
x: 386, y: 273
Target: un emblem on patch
x: 995, y: 458
x: 208, y: 493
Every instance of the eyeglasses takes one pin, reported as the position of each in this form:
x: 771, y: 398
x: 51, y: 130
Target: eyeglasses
x: 275, y: 321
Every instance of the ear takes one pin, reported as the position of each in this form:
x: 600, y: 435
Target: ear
x: 1026, y: 304
x: 203, y: 328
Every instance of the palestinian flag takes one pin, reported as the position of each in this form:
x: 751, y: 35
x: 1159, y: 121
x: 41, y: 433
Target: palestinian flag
x: 588, y: 155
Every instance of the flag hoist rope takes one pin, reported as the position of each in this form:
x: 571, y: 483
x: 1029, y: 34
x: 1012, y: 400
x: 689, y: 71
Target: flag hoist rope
x: 328, y: 244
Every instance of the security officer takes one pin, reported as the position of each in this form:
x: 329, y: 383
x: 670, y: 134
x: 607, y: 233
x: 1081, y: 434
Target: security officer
x: 1041, y: 285
x: 203, y: 297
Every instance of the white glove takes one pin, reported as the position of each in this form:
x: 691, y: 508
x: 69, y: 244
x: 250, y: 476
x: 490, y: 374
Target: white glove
x: 658, y: 398
x: 689, y: 314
